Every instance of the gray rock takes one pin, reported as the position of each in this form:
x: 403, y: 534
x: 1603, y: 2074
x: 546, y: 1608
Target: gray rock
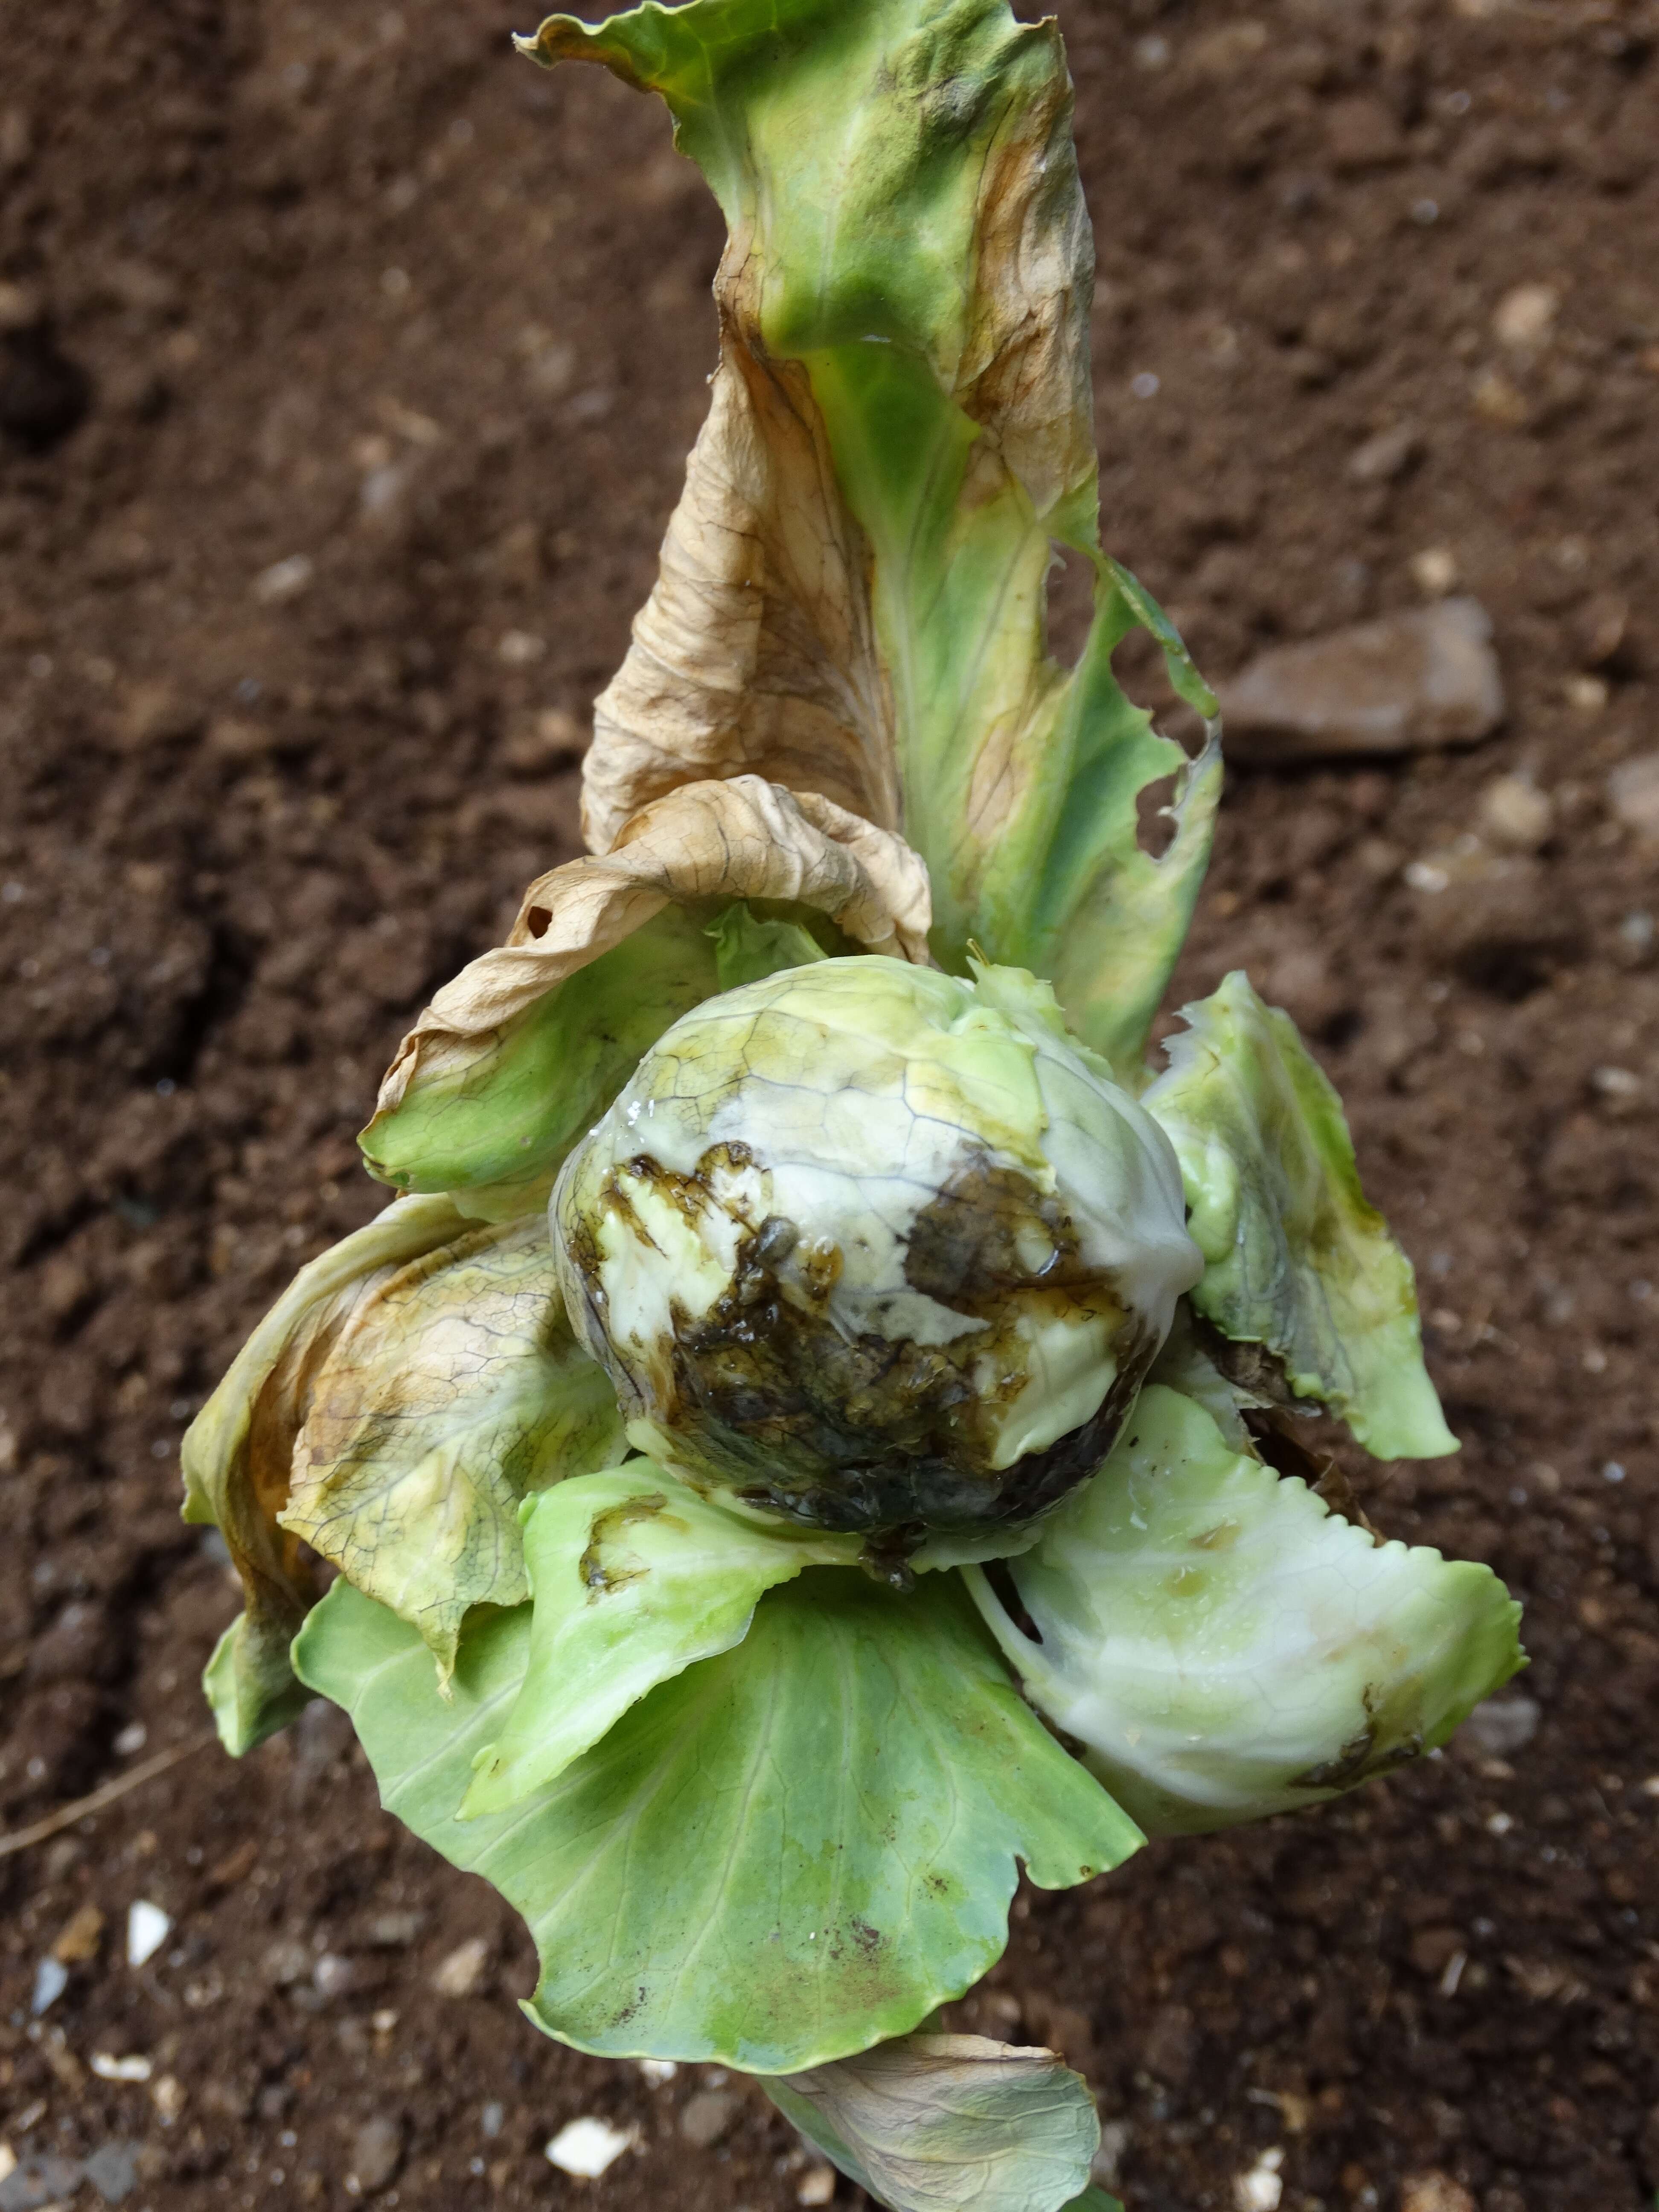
x: 395, y: 1931
x: 1425, y: 677
x: 1633, y: 793
x: 335, y: 1977
x: 50, y: 1980
x: 708, y: 2116
x: 286, y: 1961
x: 113, y: 2171
x: 44, y: 2179
x: 1386, y: 456
x: 1503, y: 1726
x: 377, y: 2152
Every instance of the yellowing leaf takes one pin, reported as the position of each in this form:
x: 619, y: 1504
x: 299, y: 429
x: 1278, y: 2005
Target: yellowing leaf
x: 237, y: 1456
x: 454, y: 1390
x: 853, y: 591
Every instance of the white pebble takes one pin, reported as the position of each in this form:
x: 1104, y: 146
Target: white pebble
x: 147, y: 1928
x: 585, y: 2148
x: 460, y: 1972
x: 1633, y: 793
x: 818, y: 2185
x: 1261, y: 2188
x: 657, y: 2071
x: 134, y: 2069
x: 1514, y: 813
x: 284, y: 580
x: 1524, y: 318
x: 1434, y: 570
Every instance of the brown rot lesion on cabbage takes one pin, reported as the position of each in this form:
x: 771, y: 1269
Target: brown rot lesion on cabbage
x: 769, y: 1393
x: 600, y: 1574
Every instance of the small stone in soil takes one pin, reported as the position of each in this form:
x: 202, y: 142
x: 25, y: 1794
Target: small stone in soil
x: 817, y: 2186
x: 36, y: 2182
x: 1386, y: 456
x: 334, y: 1976
x: 113, y: 2171
x: 77, y: 1939
x: 50, y: 1980
x: 1428, y: 676
x: 1434, y: 2192
x: 395, y: 1931
x: 285, y: 1962
x: 586, y: 2148
x: 1515, y: 813
x: 460, y: 1972
x: 708, y: 2116
x: 1633, y: 793
x: 1502, y: 1726
x: 377, y: 2152
x: 147, y: 1928
x: 1525, y: 316
x: 1261, y: 2188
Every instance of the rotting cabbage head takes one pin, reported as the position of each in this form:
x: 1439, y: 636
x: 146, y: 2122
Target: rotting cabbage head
x: 873, y: 1256
x: 876, y: 1247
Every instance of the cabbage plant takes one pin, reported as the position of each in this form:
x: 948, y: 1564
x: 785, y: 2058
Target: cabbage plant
x: 809, y: 1438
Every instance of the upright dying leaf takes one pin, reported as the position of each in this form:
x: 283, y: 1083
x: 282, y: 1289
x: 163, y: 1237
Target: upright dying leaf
x: 452, y: 1391
x: 851, y: 596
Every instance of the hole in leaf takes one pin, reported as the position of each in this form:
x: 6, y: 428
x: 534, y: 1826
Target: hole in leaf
x: 537, y: 920
x: 1155, y: 830
x: 1069, y: 604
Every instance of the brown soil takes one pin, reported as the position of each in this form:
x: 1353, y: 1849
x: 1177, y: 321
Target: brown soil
x: 349, y: 286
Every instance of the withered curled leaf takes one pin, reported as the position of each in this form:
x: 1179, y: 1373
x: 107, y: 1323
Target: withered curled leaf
x: 700, y: 847
x: 452, y: 1390
x: 936, y: 2122
x: 237, y: 1456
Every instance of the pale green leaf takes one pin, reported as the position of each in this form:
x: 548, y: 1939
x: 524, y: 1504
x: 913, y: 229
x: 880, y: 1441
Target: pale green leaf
x: 1295, y: 1260
x: 781, y: 1857
x: 749, y: 946
x: 1223, y: 1647
x: 500, y: 1118
x: 454, y: 1390
x: 949, y: 2124
x: 635, y: 1576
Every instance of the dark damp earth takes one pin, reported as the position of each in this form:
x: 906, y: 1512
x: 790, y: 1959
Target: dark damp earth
x: 347, y: 371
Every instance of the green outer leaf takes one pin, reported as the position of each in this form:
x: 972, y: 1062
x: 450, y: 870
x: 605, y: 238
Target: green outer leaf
x: 238, y: 1455
x: 779, y: 1857
x: 251, y: 1688
x: 1296, y: 1258
x: 1223, y: 1647
x: 509, y: 1117
x: 635, y: 1576
x: 949, y: 2124
x: 901, y: 186
x: 1061, y: 884
x: 749, y: 946
x: 455, y: 1390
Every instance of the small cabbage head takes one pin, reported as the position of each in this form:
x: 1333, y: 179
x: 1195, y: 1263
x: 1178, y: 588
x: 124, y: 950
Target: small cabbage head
x: 876, y: 1247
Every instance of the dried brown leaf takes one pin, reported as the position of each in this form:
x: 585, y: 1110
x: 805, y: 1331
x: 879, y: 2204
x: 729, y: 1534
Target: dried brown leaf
x: 701, y: 846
